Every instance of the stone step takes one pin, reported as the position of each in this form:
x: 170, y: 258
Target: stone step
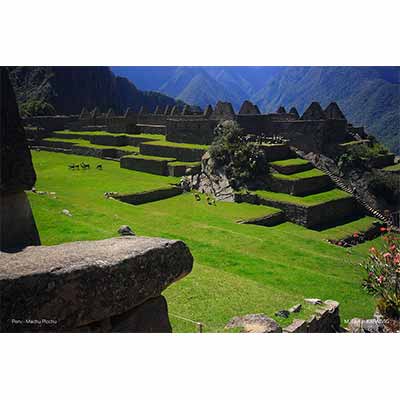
x: 301, y: 184
x: 291, y: 166
x: 178, y: 151
x: 330, y: 207
x: 149, y: 164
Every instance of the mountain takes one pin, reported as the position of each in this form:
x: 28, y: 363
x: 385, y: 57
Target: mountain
x: 201, y: 85
x: 368, y: 96
x: 66, y: 90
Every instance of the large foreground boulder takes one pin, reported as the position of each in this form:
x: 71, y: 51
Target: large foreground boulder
x: 90, y: 286
x: 17, y: 226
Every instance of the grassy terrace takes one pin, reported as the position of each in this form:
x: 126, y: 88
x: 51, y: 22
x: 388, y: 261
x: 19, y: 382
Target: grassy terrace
x: 342, y: 231
x: 184, y: 163
x: 312, y: 173
x: 175, y: 144
x: 154, y: 158
x: 86, y: 143
x: 104, y: 133
x: 392, y: 168
x: 310, y: 200
x: 239, y: 269
x: 289, y: 162
x: 354, y: 143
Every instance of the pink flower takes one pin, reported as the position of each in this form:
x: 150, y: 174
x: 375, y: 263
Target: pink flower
x: 355, y: 235
x: 380, y: 279
x: 393, y: 247
x: 396, y: 259
x: 387, y: 256
x: 382, y: 229
x: 372, y: 250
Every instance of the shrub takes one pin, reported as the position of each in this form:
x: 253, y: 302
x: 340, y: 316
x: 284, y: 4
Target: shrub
x: 383, y: 279
x: 36, y: 108
x: 244, y: 161
x: 359, y: 155
x: 386, y: 186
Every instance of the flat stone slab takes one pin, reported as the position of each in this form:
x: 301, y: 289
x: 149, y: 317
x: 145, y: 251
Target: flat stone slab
x: 254, y: 323
x: 55, y: 288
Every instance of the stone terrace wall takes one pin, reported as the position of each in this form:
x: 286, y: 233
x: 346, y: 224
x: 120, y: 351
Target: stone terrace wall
x: 277, y: 152
x: 155, y: 129
x: 199, y: 131
x: 308, y: 216
x: 51, y: 123
x: 180, y: 153
x: 68, y: 147
x: 382, y: 161
x: 158, y: 167
x: 301, y: 187
x: 149, y: 196
x: 111, y: 285
x: 325, y: 320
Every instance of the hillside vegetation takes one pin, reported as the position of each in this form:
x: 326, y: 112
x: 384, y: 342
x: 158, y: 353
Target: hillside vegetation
x: 66, y: 90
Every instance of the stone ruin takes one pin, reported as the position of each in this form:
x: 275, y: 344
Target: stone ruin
x: 18, y: 228
x: 294, y: 111
x: 248, y: 108
x: 334, y: 112
x: 317, y: 130
x: 325, y: 319
x: 111, y: 285
x: 314, y: 112
x: 223, y: 110
x: 281, y: 110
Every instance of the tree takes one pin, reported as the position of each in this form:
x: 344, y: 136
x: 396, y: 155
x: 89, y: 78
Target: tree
x: 243, y: 160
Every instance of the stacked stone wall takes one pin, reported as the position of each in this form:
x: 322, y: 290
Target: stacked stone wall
x: 301, y: 187
x: 179, y: 153
x: 149, y: 196
x: 382, y: 161
x: 155, y: 129
x: 158, y: 167
x: 308, y: 216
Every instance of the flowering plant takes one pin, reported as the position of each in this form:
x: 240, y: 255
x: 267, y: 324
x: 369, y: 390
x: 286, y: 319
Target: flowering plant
x: 383, y: 279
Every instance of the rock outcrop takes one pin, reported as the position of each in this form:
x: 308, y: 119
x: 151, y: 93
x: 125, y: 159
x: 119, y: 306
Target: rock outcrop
x: 210, y: 180
x: 18, y: 227
x: 108, y: 285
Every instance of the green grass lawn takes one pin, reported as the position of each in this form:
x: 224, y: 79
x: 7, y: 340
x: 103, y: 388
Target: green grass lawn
x: 354, y: 143
x: 154, y: 158
x: 238, y: 269
x: 310, y: 200
x: 290, y: 162
x: 342, y: 231
x: 180, y: 145
x: 184, y: 163
x: 392, y: 168
x: 311, y: 173
x: 86, y: 143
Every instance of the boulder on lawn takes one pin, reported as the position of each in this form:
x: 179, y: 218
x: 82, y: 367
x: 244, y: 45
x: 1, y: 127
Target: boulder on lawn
x: 125, y: 230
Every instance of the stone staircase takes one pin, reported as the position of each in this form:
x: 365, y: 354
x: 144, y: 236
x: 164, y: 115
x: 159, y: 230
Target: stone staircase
x: 343, y: 186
